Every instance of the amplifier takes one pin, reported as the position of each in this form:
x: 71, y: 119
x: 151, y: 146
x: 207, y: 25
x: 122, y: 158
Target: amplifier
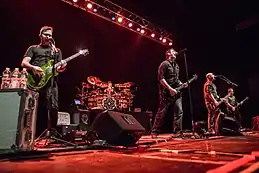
x: 18, y: 119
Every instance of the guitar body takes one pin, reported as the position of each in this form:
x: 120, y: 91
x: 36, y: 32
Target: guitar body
x: 38, y: 81
x: 172, y: 98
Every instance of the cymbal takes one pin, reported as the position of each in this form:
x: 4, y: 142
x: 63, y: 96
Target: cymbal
x: 93, y: 80
x: 124, y: 85
x: 102, y: 84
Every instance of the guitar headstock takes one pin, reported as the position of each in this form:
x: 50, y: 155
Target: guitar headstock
x: 195, y: 77
x: 84, y: 52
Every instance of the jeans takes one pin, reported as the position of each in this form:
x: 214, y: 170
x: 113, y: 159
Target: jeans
x: 170, y: 109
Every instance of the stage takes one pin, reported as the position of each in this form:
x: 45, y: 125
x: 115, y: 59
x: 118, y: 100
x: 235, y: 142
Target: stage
x: 164, y: 154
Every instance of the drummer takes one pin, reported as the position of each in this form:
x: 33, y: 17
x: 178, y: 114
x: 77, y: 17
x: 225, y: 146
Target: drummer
x: 110, y: 89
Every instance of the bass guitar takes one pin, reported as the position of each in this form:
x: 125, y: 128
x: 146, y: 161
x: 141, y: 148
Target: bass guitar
x: 37, y: 81
x: 171, y: 98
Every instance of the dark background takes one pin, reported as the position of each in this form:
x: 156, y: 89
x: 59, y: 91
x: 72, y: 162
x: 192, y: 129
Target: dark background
x: 221, y: 37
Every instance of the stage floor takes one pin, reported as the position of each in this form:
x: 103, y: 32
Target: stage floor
x: 165, y: 154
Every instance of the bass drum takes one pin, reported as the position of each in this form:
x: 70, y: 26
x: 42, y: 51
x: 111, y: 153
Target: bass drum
x: 109, y: 103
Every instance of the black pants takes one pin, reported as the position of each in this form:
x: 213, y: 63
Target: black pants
x: 169, y: 109
x: 48, y: 100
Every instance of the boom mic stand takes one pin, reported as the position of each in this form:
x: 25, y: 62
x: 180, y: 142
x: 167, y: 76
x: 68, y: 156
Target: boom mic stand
x: 50, y: 132
x: 226, y: 80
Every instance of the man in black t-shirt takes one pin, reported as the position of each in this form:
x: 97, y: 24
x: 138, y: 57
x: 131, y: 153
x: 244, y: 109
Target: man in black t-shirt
x: 34, y: 58
x: 168, y: 77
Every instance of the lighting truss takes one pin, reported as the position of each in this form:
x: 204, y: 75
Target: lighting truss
x: 122, y: 17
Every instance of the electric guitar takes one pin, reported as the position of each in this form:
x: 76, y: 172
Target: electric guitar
x: 171, y: 98
x: 37, y: 81
x: 215, y: 107
x: 239, y: 104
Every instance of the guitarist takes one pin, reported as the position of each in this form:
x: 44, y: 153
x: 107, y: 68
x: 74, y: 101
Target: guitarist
x: 232, y: 104
x: 212, y: 101
x: 34, y: 58
x: 168, y: 77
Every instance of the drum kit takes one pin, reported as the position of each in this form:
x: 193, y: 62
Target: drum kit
x: 96, y: 94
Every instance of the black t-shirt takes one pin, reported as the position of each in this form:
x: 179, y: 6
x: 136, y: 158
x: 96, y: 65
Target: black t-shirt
x: 40, y: 55
x: 170, y: 72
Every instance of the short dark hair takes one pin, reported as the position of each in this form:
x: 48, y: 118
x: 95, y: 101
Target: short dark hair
x: 45, y: 28
x: 167, y: 53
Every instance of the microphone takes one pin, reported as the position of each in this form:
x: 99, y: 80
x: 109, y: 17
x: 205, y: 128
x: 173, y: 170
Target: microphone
x: 52, y: 40
x: 52, y: 44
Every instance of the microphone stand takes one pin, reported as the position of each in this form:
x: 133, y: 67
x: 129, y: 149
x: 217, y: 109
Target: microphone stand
x: 189, y: 90
x: 50, y: 132
x: 227, y: 80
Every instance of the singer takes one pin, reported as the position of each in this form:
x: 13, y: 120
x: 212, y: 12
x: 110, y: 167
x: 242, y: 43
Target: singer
x: 212, y: 101
x: 168, y: 78
x: 36, y: 56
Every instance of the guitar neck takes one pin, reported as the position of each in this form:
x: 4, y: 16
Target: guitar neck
x: 67, y: 59
x: 182, y: 86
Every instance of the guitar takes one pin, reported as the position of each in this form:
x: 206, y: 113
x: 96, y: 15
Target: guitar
x: 171, y: 98
x: 37, y: 81
x: 239, y: 104
x: 214, y: 107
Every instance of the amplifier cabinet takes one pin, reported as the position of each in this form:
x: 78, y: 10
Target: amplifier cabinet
x: 18, y: 119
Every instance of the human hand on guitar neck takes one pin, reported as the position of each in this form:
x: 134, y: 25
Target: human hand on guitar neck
x: 62, y: 66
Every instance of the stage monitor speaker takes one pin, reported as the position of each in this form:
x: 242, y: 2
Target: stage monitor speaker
x: 227, y: 126
x: 117, y: 128
x: 17, y: 119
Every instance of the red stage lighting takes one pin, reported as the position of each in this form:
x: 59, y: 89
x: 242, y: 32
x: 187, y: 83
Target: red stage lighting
x: 74, y: 0
x: 130, y: 25
x: 89, y: 5
x: 153, y: 35
x: 120, y: 19
x: 170, y: 44
x: 164, y: 40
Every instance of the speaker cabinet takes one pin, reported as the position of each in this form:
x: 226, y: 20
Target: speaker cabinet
x: 227, y: 126
x: 18, y: 118
x: 117, y: 128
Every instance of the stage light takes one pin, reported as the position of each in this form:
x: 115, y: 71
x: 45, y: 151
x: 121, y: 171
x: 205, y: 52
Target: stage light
x: 142, y: 31
x: 153, y: 35
x: 160, y: 38
x: 130, y: 25
x: 164, y: 40
x: 95, y: 10
x: 75, y: 1
x: 138, y: 29
x: 170, y: 44
x: 120, y: 19
x: 89, y: 5
x: 113, y: 18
